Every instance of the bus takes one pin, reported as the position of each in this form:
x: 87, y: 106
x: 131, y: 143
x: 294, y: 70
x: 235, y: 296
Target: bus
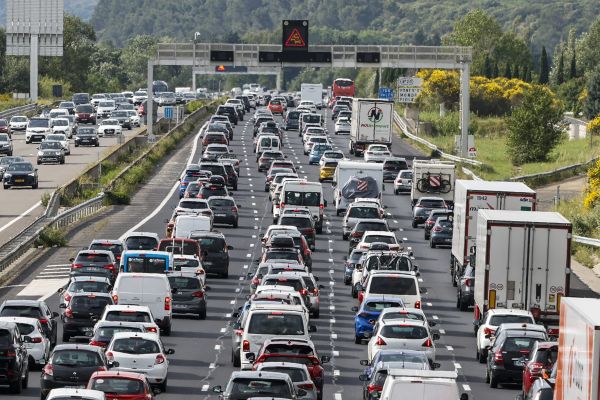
x: 343, y: 87
x: 159, y: 87
x: 146, y: 261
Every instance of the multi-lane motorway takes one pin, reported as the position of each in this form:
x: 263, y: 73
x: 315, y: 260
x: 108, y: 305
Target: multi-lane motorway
x: 203, y: 348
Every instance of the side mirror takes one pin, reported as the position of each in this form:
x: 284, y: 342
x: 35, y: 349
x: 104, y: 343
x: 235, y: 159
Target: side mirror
x: 229, y: 247
x: 251, y: 357
x: 367, y: 335
x: 312, y: 329
x: 170, y: 351
x: 71, y: 259
x: 364, y: 363
x: 59, y: 291
x: 62, y: 305
x: 235, y: 315
x: 321, y: 287
x: 113, y: 364
x: 363, y: 377
x: 325, y: 359
x: 249, y: 274
x: 436, y: 336
x: 423, y: 290
x: 465, y: 396
x: 217, y: 389
x: 207, y: 288
x: 355, y: 309
x: 432, y: 323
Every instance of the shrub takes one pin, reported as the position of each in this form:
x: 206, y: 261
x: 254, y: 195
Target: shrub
x: 51, y: 237
x: 45, y: 199
x: 194, y: 105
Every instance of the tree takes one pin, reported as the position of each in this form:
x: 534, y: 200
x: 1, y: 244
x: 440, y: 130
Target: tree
x: 589, y: 49
x: 516, y: 73
x: 533, y: 129
x: 544, y: 68
x: 508, y: 71
x: 573, y: 66
x: 496, y: 71
x: 560, y: 73
x: 591, y: 106
x: 487, y: 67
x: 135, y: 57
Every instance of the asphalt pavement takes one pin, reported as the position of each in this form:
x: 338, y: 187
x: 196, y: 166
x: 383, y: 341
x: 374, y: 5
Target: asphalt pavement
x: 202, y: 356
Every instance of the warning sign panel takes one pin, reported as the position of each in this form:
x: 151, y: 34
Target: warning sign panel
x: 295, y: 35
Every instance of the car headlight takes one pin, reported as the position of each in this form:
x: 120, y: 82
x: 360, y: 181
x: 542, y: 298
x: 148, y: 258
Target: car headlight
x: 57, y: 153
x: 31, y: 174
x: 7, y: 175
x: 40, y: 153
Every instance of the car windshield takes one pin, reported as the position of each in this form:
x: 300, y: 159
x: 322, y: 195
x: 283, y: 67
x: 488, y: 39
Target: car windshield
x: 129, y: 316
x: 76, y: 358
x: 117, y: 386
x: 404, y: 332
x: 497, y: 320
x: 20, y: 311
x: 110, y: 122
x: 184, y: 282
x: 106, y: 104
x: 276, y: 323
x: 364, y: 212
x: 85, y: 109
x: 136, y: 345
x: 39, y: 123
x: 22, y: 167
x: 380, y: 305
x: 245, y: 388
x: 50, y: 145
x: 395, y: 285
x: 86, y: 131
x: 89, y: 286
x: 520, y: 343
x: 212, y: 244
x: 221, y: 203
x: 89, y: 302
x: 18, y: 119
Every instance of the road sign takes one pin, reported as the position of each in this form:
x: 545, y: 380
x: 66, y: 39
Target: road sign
x: 472, y: 150
x: 408, y: 88
x: 410, y: 81
x: 295, y: 35
x: 386, y: 93
x: 168, y: 113
x: 231, y: 68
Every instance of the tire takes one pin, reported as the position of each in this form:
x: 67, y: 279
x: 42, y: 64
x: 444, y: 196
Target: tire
x: 6, y: 187
x: 414, y: 224
x: 235, y: 224
x: 426, y: 236
x: 396, y: 191
x: 357, y: 340
x: 464, y: 305
x: 17, y: 386
x: 316, y: 314
x: 76, y: 145
x: 235, y: 360
x: 354, y: 292
x: 320, y: 229
x: 167, y: 331
x: 35, y: 186
x: 163, y: 386
x: 454, y: 284
x: 337, y: 212
x: 493, y: 381
x: 487, y: 375
x: 225, y: 275
x: 481, y: 357
x: 202, y: 314
x: 445, y: 186
x: 431, y: 244
x: 344, y: 237
x: 66, y: 337
x: 25, y: 383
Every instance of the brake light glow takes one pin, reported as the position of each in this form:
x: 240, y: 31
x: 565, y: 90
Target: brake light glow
x: 109, y: 266
x: 245, y: 345
x: 36, y: 340
x: 239, y: 332
x: 159, y: 359
x: 115, y: 298
x: 49, y: 370
x: 110, y: 356
x: 488, y: 331
x: 374, y: 388
x: 468, y: 282
x: 69, y: 313
x: 428, y: 343
x: 498, y: 358
x: 535, y: 369
x: 75, y: 266
x: 151, y: 329
x: 97, y: 343
x: 167, y: 303
x: 303, y: 292
x: 67, y: 298
x: 417, y: 304
x: 199, y: 294
x: 380, y: 341
x: 437, y: 229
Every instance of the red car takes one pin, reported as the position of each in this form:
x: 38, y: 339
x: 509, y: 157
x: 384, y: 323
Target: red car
x: 5, y: 127
x: 296, y: 351
x: 180, y: 246
x: 542, y: 357
x: 122, y: 385
x: 85, y: 113
x: 276, y: 107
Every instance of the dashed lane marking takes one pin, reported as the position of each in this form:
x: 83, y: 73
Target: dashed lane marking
x: 435, y: 317
x: 457, y: 366
x: 205, y: 388
x: 466, y: 387
x: 449, y: 348
x: 442, y: 331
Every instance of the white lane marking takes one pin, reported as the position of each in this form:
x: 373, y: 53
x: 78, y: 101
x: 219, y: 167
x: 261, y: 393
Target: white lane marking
x: 227, y: 315
x: 205, y: 388
x: 336, y: 353
x: 332, y: 320
x: 330, y: 260
x: 223, y: 330
x: 334, y: 335
x: 241, y: 278
x: 21, y: 216
x: 395, y: 221
x: 232, y: 302
x: 45, y: 287
x: 449, y: 348
x: 442, y: 331
x: 168, y: 196
x: 337, y: 396
x: 245, y: 266
x: 420, y: 279
x: 336, y: 372
x: 429, y: 305
x: 466, y: 387
x: 58, y: 266
x: 212, y: 366
x: 248, y: 255
x: 457, y: 366
x: 251, y: 244
x: 332, y: 308
x: 435, y: 317
x: 237, y: 290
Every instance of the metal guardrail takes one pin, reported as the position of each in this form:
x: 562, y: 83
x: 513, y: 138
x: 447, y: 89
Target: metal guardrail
x: 78, y: 212
x: 11, y: 112
x: 404, y: 128
x: 586, y: 240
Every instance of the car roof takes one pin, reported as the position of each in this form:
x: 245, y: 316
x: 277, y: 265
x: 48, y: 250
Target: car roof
x: 17, y: 302
x: 407, y: 321
x: 259, y: 374
x: 118, y: 374
x: 125, y: 307
x: 76, y: 393
x: 281, y: 364
x: 143, y: 335
x: 107, y: 241
x: 509, y: 311
x: 520, y: 326
x: 78, y: 346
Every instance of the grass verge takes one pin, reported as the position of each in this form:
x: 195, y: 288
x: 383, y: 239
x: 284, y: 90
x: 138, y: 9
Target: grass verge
x: 51, y: 237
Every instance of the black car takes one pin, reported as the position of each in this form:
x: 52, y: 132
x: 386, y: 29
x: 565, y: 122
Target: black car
x: 50, y: 152
x: 363, y: 225
x: 214, y: 252
x: 122, y: 117
x: 14, y: 361
x: 506, y: 357
x: 230, y: 112
x: 391, y: 167
x: 304, y: 223
x: 189, y: 296
x: 291, y: 120
x: 72, y: 365
x: 260, y: 120
x: 95, y: 263
x: 464, y: 293
x: 351, y: 262
x: 232, y: 176
x: 216, y: 168
x: 81, y: 98
x: 33, y: 309
x: 209, y: 190
x: 20, y: 174
x: 82, y: 312
x: 87, y: 137
x: 224, y: 209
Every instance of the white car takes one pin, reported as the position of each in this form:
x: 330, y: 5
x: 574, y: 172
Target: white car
x: 342, y: 126
x: 377, y: 153
x: 105, y: 108
x: 404, y: 313
x: 61, y: 125
x: 378, y: 236
x: 139, y: 97
x: 402, y: 334
x: 18, y: 123
x: 134, y: 118
x: 38, y: 348
x: 308, y: 105
x: 492, y: 319
x: 97, y: 98
x: 403, y: 182
x: 314, y: 140
x: 190, y: 264
x: 109, y: 127
x: 332, y: 155
x: 392, y: 284
x: 75, y: 393
x: 58, y: 112
x: 62, y: 139
x: 141, y: 353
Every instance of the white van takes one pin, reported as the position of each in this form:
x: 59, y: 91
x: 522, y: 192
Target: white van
x: 307, y: 194
x: 266, y: 321
x: 186, y: 224
x: 267, y: 143
x: 421, y: 385
x: 150, y: 290
x: 310, y: 118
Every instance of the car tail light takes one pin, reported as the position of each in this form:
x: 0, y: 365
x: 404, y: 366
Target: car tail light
x: 110, y: 356
x: 321, y: 206
x: 303, y: 292
x: 75, y: 266
x: 281, y: 205
x: 307, y: 386
x: 428, y: 343
x: 417, y: 304
x: 380, y: 341
x: 498, y: 358
x: 374, y: 388
x: 151, y: 329
x: 316, y: 291
x: 535, y: 368
x: 468, y: 282
x: 199, y: 294
x: 159, y: 359
x: 488, y: 331
x: 536, y: 312
x: 109, y: 266
x: 245, y: 345
x: 69, y: 313
x: 167, y: 303
x: 49, y: 370
x: 437, y: 229
x: 361, y: 296
x: 356, y: 234
x: 115, y: 298
x: 234, y: 209
x: 36, y: 340
x: 256, y: 281
x: 67, y: 298
x: 97, y: 343
x: 553, y: 331
x: 239, y: 332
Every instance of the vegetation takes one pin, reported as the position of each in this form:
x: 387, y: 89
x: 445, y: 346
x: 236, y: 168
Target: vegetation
x: 51, y: 237
x: 45, y: 198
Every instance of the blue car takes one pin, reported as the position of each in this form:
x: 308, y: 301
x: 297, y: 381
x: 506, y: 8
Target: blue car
x: 367, y: 315
x: 317, y: 152
x: 183, y: 183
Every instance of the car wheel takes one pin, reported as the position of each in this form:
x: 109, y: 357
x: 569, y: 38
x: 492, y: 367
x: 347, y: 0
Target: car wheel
x: 487, y: 375
x: 426, y: 236
x: 235, y: 359
x: 357, y: 340
x: 34, y: 186
x: 493, y: 380
x: 457, y: 301
x: 6, y: 187
x: 481, y: 356
x: 414, y: 224
x: 464, y: 304
x: 454, y: 279
x: 344, y: 237
x: 97, y: 144
x: 431, y: 244
x: 354, y: 291
x: 66, y: 337
x: 202, y: 314
x: 316, y: 314
x: 25, y: 383
x: 16, y: 387
x: 167, y: 330
x: 76, y: 145
x: 163, y: 386
x: 225, y: 275
x: 235, y: 224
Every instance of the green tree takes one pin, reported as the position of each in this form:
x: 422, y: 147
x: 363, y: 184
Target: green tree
x: 573, y: 66
x: 560, y: 73
x: 533, y: 129
x: 589, y: 49
x: 487, y: 67
x: 496, y: 71
x: 508, y: 72
x: 591, y: 106
x: 135, y: 58
x: 517, y: 72
x: 544, y: 68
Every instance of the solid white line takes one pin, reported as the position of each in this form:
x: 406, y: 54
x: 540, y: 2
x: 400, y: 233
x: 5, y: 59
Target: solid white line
x: 217, y: 347
x: 168, y: 196
x: 23, y: 214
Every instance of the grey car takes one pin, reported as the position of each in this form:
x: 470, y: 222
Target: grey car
x: 50, y: 152
x: 214, y: 252
x: 464, y: 290
x: 122, y: 117
x: 434, y: 215
x: 33, y: 309
x: 6, y: 145
x: 189, y: 295
x: 224, y: 209
x: 423, y: 207
x: 441, y: 234
x: 6, y: 161
x: 257, y: 384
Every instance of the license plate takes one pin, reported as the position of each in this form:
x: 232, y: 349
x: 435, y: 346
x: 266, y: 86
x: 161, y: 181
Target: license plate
x: 181, y: 306
x: 448, y: 240
x: 19, y: 180
x: 518, y: 363
x: 86, y: 329
x: 220, y: 215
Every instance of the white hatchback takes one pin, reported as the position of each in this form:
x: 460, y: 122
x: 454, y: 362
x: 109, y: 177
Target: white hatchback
x: 403, y: 334
x: 38, y: 348
x: 377, y: 153
x: 491, y: 321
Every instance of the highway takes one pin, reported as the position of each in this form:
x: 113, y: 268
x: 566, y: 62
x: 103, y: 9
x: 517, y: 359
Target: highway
x: 202, y: 356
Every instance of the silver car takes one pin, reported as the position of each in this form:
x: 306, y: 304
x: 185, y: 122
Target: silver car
x: 357, y: 211
x: 299, y: 374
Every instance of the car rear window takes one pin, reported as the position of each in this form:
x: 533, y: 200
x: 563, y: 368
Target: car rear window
x: 107, y: 332
x: 380, y: 305
x: 184, y: 282
x: 118, y: 386
x: 378, y: 238
x: 129, y: 316
x: 296, y: 221
x: 140, y: 243
x: 520, y: 343
x: 185, y: 263
x: 403, y: 315
x: 283, y: 349
x: 194, y: 205
x: 89, y: 302
x: 432, y: 203
x: 221, y: 203
x: 136, y: 345
x: 404, y: 332
x: 296, y: 374
x: 89, y: 286
x: 112, y: 247
x: 25, y: 329
x: 276, y: 323
x: 93, y: 258
x: 76, y: 358
x: 297, y: 284
x: 20, y: 311
x: 498, y: 320
x: 211, y: 244
x: 364, y: 212
x: 371, y: 226
x: 398, y: 285
x: 545, y: 356
x: 281, y: 255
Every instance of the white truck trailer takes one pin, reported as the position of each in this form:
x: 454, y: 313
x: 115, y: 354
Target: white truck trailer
x: 578, y: 363
x: 471, y: 196
x: 312, y: 92
x: 372, y: 123
x: 522, y: 261
x: 356, y: 179
x: 433, y: 178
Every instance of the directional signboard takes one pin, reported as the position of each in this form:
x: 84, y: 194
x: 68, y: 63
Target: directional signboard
x: 386, y: 93
x: 168, y: 112
x: 295, y: 35
x: 408, y: 88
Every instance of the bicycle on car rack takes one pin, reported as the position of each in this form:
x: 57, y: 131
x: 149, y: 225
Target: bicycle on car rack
x: 434, y: 183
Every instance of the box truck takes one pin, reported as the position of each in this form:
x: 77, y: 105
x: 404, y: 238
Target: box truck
x: 372, y: 123
x: 471, y: 196
x: 522, y: 261
x: 356, y: 179
x: 421, y: 385
x: 578, y: 363
x: 433, y: 178
x: 312, y: 92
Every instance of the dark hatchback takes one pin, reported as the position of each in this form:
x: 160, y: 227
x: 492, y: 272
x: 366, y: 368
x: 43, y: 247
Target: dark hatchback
x: 209, y: 190
x: 391, y: 167
x: 434, y: 215
x: 122, y: 117
x: 87, y: 137
x: 232, y: 176
x: 14, y: 361
x: 230, y: 112
x: 189, y: 296
x: 95, y: 263
x: 352, y: 261
x: 305, y: 225
x: 82, y: 312
x: 214, y: 253
x: 441, y: 234
x: 85, y: 113
x: 72, y: 365
x: 291, y: 120
x: 20, y: 174
x: 224, y: 209
x: 267, y: 157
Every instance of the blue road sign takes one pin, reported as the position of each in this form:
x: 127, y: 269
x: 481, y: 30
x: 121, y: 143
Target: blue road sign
x: 169, y: 112
x: 386, y: 93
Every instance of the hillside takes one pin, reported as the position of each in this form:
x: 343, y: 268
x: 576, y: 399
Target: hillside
x: 79, y: 8
x: 543, y: 22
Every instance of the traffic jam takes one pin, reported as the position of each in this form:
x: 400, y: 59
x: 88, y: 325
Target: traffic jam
x: 338, y: 202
